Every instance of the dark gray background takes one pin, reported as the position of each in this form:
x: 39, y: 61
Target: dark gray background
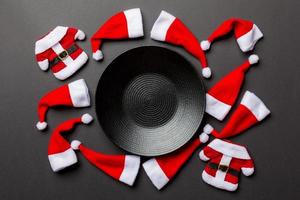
x: 24, y: 169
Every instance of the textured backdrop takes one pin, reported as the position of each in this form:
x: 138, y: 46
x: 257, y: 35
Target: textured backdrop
x: 24, y: 169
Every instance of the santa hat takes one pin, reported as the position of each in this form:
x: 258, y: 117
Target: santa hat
x: 60, y: 153
x: 123, y: 25
x: 120, y: 167
x: 221, y: 97
x: 168, y: 28
x: 162, y: 169
x: 245, y: 32
x: 74, y: 94
x: 249, y: 112
x: 58, y: 50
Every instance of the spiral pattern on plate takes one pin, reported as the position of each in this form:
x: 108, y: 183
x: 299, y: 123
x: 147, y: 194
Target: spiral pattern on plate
x: 150, y: 101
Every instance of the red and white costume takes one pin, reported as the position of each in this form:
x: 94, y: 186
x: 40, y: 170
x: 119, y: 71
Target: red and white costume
x: 226, y: 160
x: 59, y: 51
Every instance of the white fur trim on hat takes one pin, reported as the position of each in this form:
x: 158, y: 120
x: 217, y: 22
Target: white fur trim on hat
x: 131, y: 169
x: 161, y: 26
x: 248, y: 40
x: 86, y: 118
x: 247, y: 171
x: 71, y: 67
x: 98, y: 55
x: 217, y: 182
x: 206, y: 72
x: 75, y: 144
x: 62, y: 160
x: 216, y: 108
x: 155, y: 173
x: 41, y: 126
x: 253, y: 59
x: 79, y: 35
x: 134, y: 22
x: 44, y: 64
x: 230, y: 149
x: 205, y: 45
x: 79, y: 93
x: 255, y: 105
x: 50, y: 39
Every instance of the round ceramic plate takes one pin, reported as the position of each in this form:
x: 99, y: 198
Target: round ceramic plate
x: 150, y: 101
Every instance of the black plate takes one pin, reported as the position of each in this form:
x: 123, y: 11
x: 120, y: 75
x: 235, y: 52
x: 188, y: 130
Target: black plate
x: 150, y: 101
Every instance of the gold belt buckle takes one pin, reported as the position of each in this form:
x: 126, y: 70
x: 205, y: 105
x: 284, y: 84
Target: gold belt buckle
x: 223, y: 168
x: 63, y: 55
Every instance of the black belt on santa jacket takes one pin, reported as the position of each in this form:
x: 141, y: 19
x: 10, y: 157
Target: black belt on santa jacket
x: 224, y: 168
x: 63, y: 55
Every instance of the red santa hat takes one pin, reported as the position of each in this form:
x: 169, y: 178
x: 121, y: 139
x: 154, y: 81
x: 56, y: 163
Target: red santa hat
x: 249, y: 112
x: 123, y: 25
x: 245, y: 32
x: 120, y: 167
x: 60, y: 153
x: 162, y: 169
x: 74, y: 94
x: 226, y: 160
x: 168, y: 28
x: 221, y: 97
x: 58, y: 50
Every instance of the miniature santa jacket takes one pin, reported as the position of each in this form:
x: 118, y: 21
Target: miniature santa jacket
x: 226, y: 160
x: 59, y: 51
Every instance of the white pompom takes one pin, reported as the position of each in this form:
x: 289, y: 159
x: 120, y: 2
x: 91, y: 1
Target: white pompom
x: 206, y: 72
x: 205, y: 45
x: 98, y: 55
x: 253, y: 59
x: 203, y: 137
x: 86, y: 118
x: 75, y: 144
x: 41, y: 126
x: 208, y: 129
